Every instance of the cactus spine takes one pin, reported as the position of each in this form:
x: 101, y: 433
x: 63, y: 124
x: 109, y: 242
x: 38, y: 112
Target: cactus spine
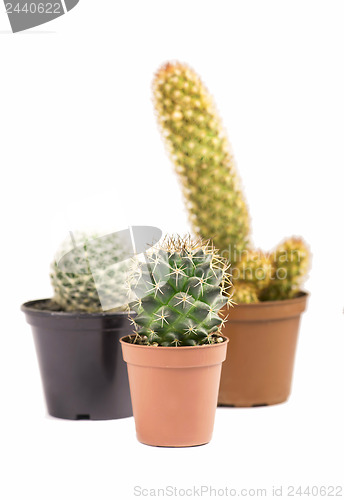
x: 180, y: 291
x: 201, y: 153
x: 89, y: 273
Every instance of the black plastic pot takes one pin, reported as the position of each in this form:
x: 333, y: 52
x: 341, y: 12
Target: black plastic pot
x: 80, y: 359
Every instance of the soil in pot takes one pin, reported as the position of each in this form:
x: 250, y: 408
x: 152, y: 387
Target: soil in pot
x: 80, y: 360
x: 174, y: 391
x: 262, y: 344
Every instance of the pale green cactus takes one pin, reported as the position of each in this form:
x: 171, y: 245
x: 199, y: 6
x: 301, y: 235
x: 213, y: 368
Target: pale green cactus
x: 89, y: 273
x: 200, y: 151
x: 254, y: 267
x: 203, y: 160
x: 290, y: 261
x: 244, y: 293
x: 180, y: 290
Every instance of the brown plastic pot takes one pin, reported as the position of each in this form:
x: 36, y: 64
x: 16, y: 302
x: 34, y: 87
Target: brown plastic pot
x: 262, y: 340
x: 174, y: 391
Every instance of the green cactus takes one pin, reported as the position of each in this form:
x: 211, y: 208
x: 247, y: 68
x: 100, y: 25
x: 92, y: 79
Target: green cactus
x: 201, y: 153
x: 181, y: 289
x: 290, y: 261
x: 89, y: 273
x: 244, y: 293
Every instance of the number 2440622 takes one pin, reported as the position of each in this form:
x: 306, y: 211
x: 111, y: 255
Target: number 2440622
x: 34, y: 8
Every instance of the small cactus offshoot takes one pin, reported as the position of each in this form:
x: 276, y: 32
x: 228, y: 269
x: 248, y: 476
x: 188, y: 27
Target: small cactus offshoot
x: 290, y: 262
x: 180, y: 290
x: 89, y: 273
x: 203, y: 160
x: 244, y: 293
x: 254, y: 267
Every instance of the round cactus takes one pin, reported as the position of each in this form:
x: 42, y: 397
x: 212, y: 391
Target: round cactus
x: 201, y: 153
x: 89, y: 273
x: 180, y: 290
x: 290, y: 261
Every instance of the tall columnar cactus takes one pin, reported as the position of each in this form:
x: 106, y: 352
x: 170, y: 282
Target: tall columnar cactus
x: 290, y: 261
x: 201, y: 153
x: 89, y: 273
x: 180, y: 290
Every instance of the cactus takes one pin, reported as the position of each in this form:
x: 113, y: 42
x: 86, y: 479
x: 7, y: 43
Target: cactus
x: 254, y: 267
x: 89, y: 273
x: 244, y: 293
x: 201, y: 153
x: 290, y: 262
x: 180, y: 291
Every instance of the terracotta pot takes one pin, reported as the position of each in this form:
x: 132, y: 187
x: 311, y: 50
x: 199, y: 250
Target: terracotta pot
x: 262, y: 345
x: 174, y: 392
x: 80, y: 360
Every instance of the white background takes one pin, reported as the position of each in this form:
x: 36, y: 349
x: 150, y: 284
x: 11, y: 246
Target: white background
x: 79, y: 145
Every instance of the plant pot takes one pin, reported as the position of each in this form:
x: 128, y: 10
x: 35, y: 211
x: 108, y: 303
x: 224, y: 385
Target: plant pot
x: 262, y: 340
x: 174, y: 392
x: 80, y: 360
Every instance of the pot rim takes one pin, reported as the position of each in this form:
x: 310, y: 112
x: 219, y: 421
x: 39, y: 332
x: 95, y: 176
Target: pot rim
x: 269, y: 311
x: 171, y: 348
x: 26, y: 307
x: 196, y: 356
x: 269, y: 303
